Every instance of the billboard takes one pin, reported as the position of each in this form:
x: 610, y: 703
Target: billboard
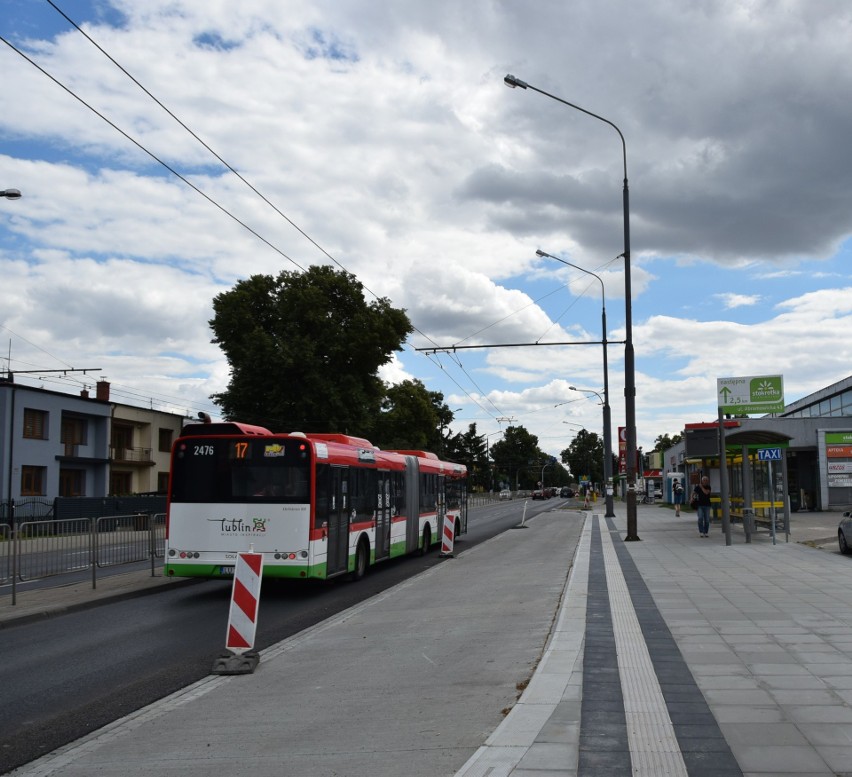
x: 753, y: 394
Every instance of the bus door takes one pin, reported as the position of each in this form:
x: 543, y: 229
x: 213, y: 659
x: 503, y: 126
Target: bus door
x: 383, y: 515
x: 412, y: 504
x: 338, y: 522
x: 441, y: 504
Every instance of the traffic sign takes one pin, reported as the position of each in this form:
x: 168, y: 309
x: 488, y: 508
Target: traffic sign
x: 769, y: 454
x: 754, y: 394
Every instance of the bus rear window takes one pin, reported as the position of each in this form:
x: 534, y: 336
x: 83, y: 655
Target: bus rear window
x: 241, y: 470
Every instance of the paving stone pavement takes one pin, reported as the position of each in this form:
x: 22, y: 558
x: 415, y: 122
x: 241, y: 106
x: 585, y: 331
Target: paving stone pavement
x: 673, y: 655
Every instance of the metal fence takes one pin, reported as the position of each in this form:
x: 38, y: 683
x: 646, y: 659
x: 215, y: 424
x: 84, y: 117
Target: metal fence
x: 26, y: 509
x: 38, y: 549
x: 66, y: 507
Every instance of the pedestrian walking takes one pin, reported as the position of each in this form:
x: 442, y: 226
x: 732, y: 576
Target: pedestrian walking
x: 701, y: 502
x: 677, y: 494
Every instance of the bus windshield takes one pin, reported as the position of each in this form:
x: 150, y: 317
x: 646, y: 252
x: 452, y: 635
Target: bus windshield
x: 218, y: 469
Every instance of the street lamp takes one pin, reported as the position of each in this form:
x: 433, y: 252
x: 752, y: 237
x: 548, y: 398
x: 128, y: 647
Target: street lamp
x: 488, y: 457
x: 588, y: 391
x: 445, y: 423
x: 11, y: 194
x: 586, y: 463
x: 607, y: 423
x: 608, y: 488
x: 629, y: 363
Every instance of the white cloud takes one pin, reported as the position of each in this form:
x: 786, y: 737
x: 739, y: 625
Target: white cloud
x: 734, y: 300
x: 385, y: 132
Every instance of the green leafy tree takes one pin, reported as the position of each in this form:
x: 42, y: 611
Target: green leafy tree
x: 585, y: 456
x: 469, y: 448
x: 408, y: 418
x: 664, y: 442
x: 304, y: 351
x: 517, y: 457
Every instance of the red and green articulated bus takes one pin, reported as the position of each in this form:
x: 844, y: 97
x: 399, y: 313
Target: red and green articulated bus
x: 316, y: 505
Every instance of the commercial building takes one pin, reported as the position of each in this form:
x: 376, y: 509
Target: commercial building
x: 813, y: 438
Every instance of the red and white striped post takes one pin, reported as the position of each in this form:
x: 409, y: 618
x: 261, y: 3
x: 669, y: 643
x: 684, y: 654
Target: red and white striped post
x: 448, y: 535
x: 242, y: 617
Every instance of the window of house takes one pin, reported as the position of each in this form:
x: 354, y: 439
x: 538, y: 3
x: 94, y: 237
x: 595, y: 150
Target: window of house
x: 73, y: 430
x: 35, y: 424
x: 166, y: 440
x: 72, y: 482
x: 122, y: 436
x: 33, y: 480
x: 72, y: 434
x: 120, y: 483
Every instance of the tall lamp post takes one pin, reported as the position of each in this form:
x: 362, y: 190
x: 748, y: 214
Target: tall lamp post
x: 445, y: 425
x: 629, y: 364
x: 607, y: 424
x: 488, y: 458
x: 610, y: 513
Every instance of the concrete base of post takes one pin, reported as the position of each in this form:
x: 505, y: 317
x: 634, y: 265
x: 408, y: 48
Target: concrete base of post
x: 236, y: 663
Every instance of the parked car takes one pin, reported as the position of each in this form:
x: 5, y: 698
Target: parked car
x: 505, y: 494
x: 844, y: 533
x: 538, y: 494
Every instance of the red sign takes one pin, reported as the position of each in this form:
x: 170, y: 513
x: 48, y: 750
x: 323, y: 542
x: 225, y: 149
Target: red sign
x: 838, y: 451
x: 622, y: 449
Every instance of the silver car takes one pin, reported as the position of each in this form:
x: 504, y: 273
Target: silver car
x: 844, y: 533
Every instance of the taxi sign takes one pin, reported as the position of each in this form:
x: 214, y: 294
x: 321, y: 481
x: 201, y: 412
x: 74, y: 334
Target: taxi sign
x: 769, y: 454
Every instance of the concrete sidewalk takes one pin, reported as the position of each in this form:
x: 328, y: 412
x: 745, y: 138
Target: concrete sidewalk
x: 675, y: 655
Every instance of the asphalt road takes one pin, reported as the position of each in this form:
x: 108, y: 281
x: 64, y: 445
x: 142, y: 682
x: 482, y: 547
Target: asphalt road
x: 66, y: 676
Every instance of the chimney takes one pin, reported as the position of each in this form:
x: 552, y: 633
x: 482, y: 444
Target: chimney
x: 84, y: 393
x: 102, y: 390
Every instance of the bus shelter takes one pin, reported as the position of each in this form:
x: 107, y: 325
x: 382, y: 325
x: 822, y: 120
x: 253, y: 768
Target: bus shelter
x: 754, y: 485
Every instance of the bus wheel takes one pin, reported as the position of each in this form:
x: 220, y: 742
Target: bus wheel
x: 427, y: 540
x: 362, y: 559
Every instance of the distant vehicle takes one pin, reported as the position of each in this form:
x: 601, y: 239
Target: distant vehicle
x: 538, y: 494
x: 844, y: 533
x: 505, y: 494
x: 566, y: 493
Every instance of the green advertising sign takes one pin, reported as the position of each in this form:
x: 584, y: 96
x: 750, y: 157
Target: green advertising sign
x: 838, y: 438
x: 754, y: 394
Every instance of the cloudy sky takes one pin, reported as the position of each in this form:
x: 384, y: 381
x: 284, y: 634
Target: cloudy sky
x: 380, y: 136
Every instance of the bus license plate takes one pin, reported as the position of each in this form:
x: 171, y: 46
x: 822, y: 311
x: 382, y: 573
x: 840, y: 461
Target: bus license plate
x: 226, y: 570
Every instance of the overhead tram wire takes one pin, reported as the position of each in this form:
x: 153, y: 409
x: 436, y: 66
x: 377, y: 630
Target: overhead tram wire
x: 194, y: 135
x: 21, y: 337
x: 150, y: 397
x: 153, y: 155
x: 244, y: 180
x: 577, y: 297
x: 208, y: 148
x: 188, y: 182
x: 219, y: 158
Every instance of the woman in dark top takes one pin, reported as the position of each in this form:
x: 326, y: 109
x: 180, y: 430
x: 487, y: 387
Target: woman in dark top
x: 701, y: 499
